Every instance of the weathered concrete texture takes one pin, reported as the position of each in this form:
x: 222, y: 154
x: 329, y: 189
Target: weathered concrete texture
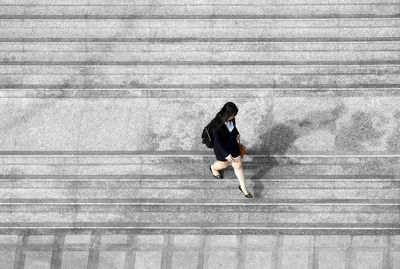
x: 254, y: 7
x: 298, y: 69
x: 102, y: 104
x: 166, y: 165
x: 297, y: 194
x: 273, y: 125
x: 199, y: 251
x: 251, y: 53
x: 196, y: 53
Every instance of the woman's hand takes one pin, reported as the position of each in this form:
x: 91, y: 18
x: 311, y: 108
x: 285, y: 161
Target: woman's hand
x: 230, y: 159
x: 238, y: 136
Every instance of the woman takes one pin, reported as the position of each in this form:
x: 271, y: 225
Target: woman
x: 226, y: 147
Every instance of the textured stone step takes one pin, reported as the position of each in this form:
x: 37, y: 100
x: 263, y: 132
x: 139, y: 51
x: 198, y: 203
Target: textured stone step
x: 196, y: 23
x: 144, y: 56
x: 205, y: 215
x: 118, y: 182
x: 210, y: 218
x: 85, y: 91
x: 216, y: 23
x: 256, y: 166
x: 238, y: 77
x: 201, y: 32
x: 195, y: 228
x: 216, y: 47
x: 272, y: 57
x: 161, y: 80
x: 198, y: 193
x: 249, y: 8
x: 209, y: 205
x: 293, y: 123
x: 378, y: 77
x: 203, y: 70
x: 191, y: 2
x: 190, y: 157
x: 201, y: 170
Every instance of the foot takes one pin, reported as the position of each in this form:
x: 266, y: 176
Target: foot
x: 215, y: 175
x: 248, y: 195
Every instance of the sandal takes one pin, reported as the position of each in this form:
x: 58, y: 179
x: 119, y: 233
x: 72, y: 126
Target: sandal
x: 218, y: 176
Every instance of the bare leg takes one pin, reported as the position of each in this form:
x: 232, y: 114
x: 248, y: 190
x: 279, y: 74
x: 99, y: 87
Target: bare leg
x: 237, y: 166
x: 218, y: 165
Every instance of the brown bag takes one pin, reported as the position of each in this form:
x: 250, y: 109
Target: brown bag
x: 242, y: 149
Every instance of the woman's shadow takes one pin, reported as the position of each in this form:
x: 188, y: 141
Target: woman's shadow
x: 275, y: 141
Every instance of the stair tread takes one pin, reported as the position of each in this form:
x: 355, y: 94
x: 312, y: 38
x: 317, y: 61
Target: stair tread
x: 246, y: 225
x: 252, y: 202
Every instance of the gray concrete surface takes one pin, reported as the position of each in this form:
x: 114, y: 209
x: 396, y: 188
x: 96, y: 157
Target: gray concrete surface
x: 102, y: 104
x: 122, y: 251
x: 278, y: 125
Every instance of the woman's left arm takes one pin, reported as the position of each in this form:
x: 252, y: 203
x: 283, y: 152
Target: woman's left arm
x: 235, y: 130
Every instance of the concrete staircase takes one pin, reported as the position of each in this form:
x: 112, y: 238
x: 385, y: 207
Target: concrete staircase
x: 103, y: 103
x: 176, y: 193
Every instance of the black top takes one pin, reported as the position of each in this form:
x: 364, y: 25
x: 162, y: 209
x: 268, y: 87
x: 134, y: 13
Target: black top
x: 225, y: 142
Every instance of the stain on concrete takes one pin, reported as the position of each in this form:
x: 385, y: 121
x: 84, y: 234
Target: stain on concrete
x: 85, y: 72
x: 62, y: 94
x: 132, y: 83
x: 372, y: 167
x: 11, y: 81
x: 319, y: 120
x: 359, y: 130
x: 278, y: 139
x: 18, y: 118
x: 393, y: 141
x: 150, y: 141
x: 66, y: 84
x: 9, y: 58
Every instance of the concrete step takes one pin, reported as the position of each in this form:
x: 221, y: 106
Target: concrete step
x: 221, y: 193
x: 329, y: 123
x: 299, y: 8
x: 161, y: 80
x: 193, y: 46
x: 144, y: 27
x: 196, y: 228
x: 219, y: 70
x: 189, y: 156
x: 209, y: 32
x: 267, y: 76
x: 196, y: 164
x: 203, y: 218
x: 200, y: 170
x: 200, y: 56
x: 209, y: 205
x: 189, y: 2
x: 117, y: 182
x: 214, y: 22
x: 71, y: 92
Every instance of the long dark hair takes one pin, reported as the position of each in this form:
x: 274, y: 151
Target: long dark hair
x: 223, y: 115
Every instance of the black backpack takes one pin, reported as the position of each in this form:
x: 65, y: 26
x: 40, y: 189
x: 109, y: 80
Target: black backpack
x: 206, y: 135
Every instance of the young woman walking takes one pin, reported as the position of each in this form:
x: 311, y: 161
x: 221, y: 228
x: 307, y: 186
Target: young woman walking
x: 226, y: 146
